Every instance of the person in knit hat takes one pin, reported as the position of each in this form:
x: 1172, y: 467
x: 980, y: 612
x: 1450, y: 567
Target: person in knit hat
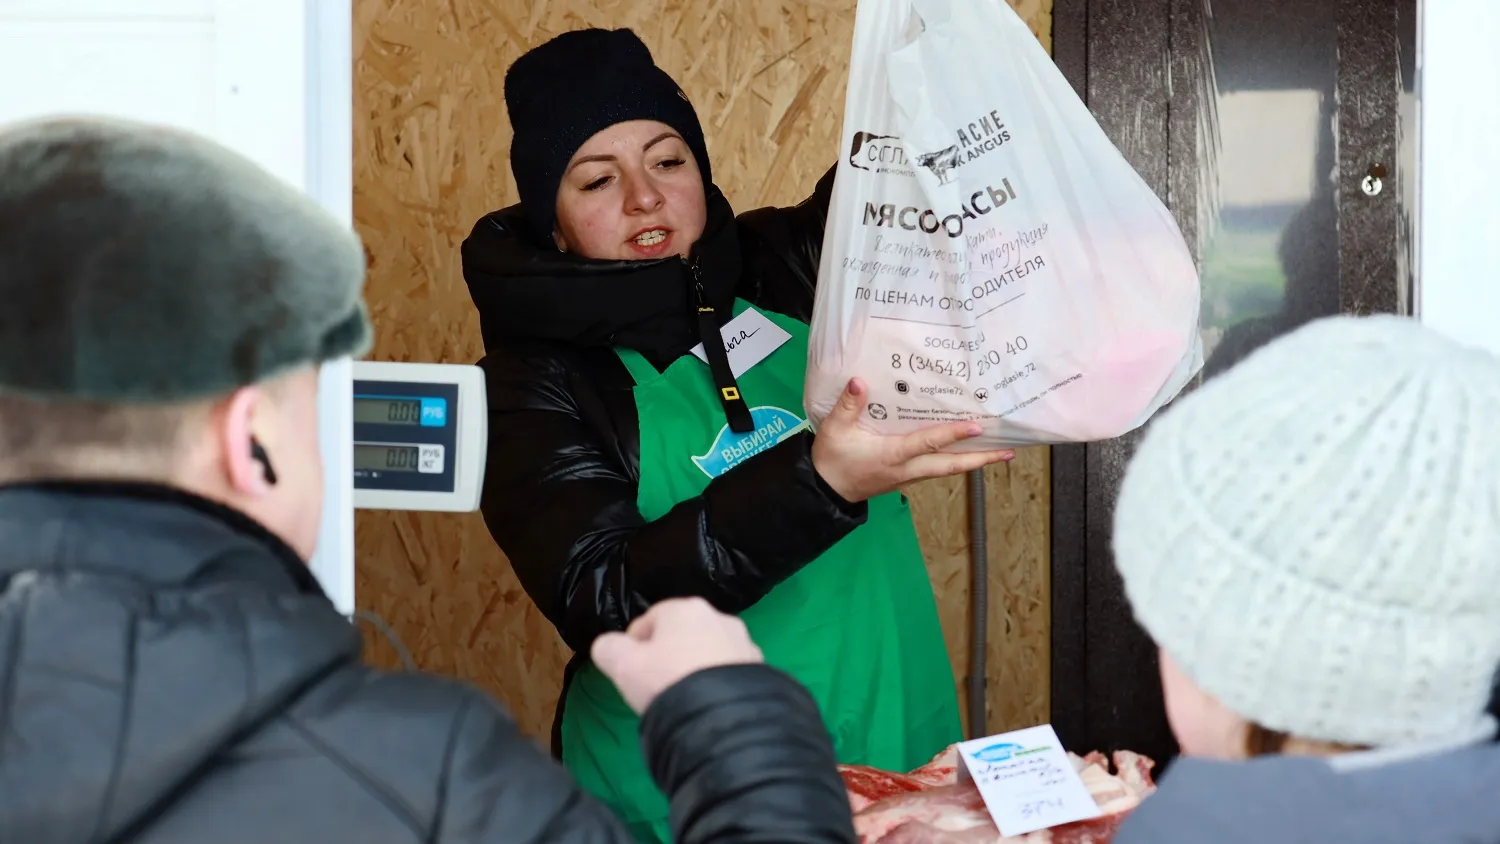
x: 170, y: 670
x: 636, y: 455
x: 1313, y: 541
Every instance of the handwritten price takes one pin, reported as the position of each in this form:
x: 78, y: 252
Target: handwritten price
x: 1040, y: 808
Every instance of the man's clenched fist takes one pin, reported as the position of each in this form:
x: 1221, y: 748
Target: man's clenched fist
x: 673, y: 639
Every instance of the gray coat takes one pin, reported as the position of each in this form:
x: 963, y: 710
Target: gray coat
x: 1446, y: 797
x: 171, y: 673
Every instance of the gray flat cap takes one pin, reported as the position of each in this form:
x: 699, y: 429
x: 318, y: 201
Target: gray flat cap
x: 141, y: 263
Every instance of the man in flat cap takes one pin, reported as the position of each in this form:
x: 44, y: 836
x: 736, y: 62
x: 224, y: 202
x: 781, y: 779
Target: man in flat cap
x: 169, y: 669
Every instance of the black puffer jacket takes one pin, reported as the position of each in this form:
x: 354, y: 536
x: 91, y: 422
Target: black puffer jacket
x: 560, y: 485
x: 170, y: 672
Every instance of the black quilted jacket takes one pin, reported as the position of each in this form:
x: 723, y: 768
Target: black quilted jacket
x: 171, y: 673
x: 560, y: 485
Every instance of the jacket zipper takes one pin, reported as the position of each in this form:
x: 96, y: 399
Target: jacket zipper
x: 697, y: 276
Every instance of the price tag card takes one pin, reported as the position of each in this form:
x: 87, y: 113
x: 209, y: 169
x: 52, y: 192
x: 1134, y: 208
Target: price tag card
x: 1027, y: 781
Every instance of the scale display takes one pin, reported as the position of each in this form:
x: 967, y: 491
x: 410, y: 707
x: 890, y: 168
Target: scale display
x: 419, y: 435
x: 402, y: 432
x: 394, y: 410
x: 393, y: 457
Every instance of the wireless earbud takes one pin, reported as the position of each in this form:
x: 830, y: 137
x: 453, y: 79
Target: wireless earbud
x: 258, y: 454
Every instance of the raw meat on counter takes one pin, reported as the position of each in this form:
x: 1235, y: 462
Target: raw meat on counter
x: 931, y: 806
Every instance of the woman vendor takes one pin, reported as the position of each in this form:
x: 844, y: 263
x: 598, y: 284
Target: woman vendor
x: 635, y: 454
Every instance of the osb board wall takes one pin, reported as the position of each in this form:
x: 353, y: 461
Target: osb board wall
x: 430, y: 152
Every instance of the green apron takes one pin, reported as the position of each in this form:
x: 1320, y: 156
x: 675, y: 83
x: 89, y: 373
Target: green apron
x: 858, y: 626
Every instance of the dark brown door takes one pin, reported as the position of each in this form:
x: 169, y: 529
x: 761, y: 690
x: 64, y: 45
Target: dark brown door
x: 1280, y: 133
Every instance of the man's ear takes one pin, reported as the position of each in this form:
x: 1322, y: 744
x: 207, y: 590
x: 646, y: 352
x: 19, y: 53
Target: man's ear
x: 238, y: 435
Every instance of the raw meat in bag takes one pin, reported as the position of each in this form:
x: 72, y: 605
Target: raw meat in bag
x: 989, y: 254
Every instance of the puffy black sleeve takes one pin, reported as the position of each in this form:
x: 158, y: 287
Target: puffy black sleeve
x: 739, y: 751
x: 781, y: 248
x: 560, y: 500
x: 499, y: 786
x: 745, y: 757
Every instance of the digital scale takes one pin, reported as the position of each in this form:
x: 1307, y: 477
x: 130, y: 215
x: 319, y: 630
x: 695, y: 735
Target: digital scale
x: 420, y: 436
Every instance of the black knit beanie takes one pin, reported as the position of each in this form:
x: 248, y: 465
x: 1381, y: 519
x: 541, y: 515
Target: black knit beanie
x: 565, y: 91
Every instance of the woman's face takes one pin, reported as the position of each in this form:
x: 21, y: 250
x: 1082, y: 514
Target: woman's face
x: 631, y: 192
x: 1202, y: 725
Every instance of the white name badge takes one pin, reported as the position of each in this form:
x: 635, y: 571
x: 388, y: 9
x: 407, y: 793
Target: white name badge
x: 749, y: 338
x: 1027, y: 780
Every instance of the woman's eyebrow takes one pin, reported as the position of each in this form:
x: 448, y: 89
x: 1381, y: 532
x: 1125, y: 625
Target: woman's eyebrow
x: 659, y: 138
x: 607, y: 157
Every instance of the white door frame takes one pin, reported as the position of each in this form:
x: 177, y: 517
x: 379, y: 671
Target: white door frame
x: 1458, y: 230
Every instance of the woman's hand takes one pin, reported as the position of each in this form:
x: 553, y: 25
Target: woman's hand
x: 859, y: 465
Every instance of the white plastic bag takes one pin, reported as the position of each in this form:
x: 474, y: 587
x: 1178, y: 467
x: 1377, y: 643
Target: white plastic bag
x: 989, y: 254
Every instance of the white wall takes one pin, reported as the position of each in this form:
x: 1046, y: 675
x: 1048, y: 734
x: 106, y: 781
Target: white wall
x: 1458, y: 278
x: 208, y: 66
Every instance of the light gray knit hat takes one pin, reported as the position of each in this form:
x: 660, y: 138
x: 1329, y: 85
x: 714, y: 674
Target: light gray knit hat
x: 1315, y: 535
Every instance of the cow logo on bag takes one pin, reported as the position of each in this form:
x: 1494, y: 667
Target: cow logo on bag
x: 772, y: 426
x: 941, y: 163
